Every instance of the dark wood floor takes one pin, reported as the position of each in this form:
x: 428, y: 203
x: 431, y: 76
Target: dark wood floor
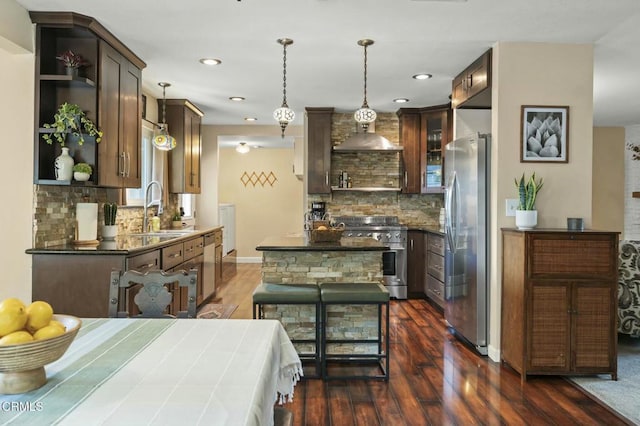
x: 434, y: 380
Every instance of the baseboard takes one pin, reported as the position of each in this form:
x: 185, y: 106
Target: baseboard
x: 249, y: 259
x: 494, y: 353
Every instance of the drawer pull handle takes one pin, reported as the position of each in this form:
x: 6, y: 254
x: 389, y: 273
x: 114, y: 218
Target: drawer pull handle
x: 172, y: 256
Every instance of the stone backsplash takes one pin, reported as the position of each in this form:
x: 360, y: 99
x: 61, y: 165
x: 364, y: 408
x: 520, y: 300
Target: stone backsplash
x: 54, y: 214
x: 375, y: 169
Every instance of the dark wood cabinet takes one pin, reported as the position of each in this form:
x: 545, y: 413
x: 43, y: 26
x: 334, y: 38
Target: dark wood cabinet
x: 184, y: 122
x: 415, y: 263
x: 318, y: 134
x: 472, y: 87
x: 109, y: 95
x: 120, y: 109
x: 409, y: 129
x: 434, y: 285
x: 436, y: 124
x: 559, y: 302
x: 423, y: 134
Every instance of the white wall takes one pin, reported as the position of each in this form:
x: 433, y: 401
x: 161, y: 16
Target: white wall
x: 522, y: 76
x: 16, y: 172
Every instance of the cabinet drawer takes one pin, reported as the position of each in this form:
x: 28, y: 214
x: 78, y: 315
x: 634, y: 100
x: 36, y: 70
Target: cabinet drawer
x: 209, y: 238
x: 218, y: 237
x: 436, y: 244
x: 435, y: 266
x: 585, y: 256
x: 193, y: 247
x: 144, y: 262
x: 172, y: 256
x: 434, y: 290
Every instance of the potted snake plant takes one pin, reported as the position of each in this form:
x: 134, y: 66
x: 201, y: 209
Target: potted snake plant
x: 110, y: 229
x: 526, y: 213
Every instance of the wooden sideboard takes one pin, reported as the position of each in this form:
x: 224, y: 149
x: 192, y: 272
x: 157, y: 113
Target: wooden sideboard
x: 559, y: 302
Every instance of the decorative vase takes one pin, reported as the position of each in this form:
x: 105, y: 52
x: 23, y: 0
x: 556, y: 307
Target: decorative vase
x: 526, y: 219
x: 73, y: 72
x: 64, y: 165
x: 109, y: 232
x: 176, y: 224
x: 80, y: 176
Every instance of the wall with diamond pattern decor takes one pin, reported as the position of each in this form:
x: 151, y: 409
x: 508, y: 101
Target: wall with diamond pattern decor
x: 266, y: 193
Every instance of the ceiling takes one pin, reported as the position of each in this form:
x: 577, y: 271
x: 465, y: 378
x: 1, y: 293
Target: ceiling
x: 325, y: 64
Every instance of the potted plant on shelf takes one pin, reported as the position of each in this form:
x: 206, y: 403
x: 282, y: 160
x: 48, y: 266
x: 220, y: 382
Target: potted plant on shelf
x: 176, y: 221
x: 526, y: 213
x: 72, y: 61
x: 71, y: 119
x: 110, y: 229
x: 82, y: 171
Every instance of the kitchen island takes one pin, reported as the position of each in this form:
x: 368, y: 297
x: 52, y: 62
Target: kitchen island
x: 295, y: 260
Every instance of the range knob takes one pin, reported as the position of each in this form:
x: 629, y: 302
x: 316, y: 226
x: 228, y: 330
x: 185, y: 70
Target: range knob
x: 388, y: 236
x: 379, y: 237
x: 359, y: 234
x: 369, y: 235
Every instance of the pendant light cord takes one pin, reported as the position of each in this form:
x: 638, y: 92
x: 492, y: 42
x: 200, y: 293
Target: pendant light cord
x: 164, y: 106
x: 365, y: 104
x: 284, y: 76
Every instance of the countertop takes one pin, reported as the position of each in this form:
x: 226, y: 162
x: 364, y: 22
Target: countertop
x: 125, y: 244
x: 427, y: 228
x: 302, y: 243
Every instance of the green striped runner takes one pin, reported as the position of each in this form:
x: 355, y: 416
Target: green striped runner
x: 70, y: 386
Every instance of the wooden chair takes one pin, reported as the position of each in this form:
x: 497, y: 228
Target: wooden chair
x: 155, y: 290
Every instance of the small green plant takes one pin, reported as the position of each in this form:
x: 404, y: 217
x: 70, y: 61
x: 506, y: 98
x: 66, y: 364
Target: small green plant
x: 110, y: 212
x: 176, y: 217
x: 71, y: 119
x: 82, y: 168
x: 527, y: 192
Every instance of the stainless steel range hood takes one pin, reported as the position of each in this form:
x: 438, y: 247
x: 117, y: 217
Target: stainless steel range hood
x: 367, y: 142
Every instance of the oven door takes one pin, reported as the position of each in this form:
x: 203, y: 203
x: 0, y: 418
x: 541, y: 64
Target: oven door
x: 394, y: 272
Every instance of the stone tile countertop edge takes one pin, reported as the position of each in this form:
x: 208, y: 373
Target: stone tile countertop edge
x: 125, y: 244
x: 426, y: 228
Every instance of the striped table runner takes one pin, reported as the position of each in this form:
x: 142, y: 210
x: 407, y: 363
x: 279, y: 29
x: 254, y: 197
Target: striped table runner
x: 163, y: 371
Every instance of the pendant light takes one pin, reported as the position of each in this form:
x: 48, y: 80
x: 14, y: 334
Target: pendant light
x: 284, y: 115
x: 365, y: 115
x: 163, y: 141
x: 242, y: 148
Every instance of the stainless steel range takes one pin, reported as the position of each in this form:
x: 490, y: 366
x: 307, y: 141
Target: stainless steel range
x: 386, y: 229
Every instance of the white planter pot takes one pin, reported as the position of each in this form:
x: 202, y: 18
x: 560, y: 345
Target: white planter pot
x: 80, y: 176
x: 109, y: 232
x: 526, y: 219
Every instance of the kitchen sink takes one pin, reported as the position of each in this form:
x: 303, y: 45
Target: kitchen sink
x: 163, y: 233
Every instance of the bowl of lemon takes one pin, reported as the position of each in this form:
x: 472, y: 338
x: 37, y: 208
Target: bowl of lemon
x: 31, y: 336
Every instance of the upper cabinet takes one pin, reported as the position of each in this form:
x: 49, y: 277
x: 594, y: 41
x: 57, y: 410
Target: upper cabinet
x: 184, y: 121
x: 318, y: 134
x: 120, y: 113
x: 423, y: 134
x: 107, y: 89
x: 472, y: 87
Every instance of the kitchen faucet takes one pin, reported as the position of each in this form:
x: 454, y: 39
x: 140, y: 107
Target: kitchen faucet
x: 147, y: 204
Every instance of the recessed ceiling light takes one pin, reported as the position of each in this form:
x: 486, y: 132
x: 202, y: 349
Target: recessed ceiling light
x: 210, y: 61
x: 422, y: 76
x: 401, y: 100
x: 237, y: 98
x: 250, y: 119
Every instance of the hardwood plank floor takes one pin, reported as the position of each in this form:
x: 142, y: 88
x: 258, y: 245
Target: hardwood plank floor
x: 434, y: 379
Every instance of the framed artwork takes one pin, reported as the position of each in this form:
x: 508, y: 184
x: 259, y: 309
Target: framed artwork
x: 544, y: 134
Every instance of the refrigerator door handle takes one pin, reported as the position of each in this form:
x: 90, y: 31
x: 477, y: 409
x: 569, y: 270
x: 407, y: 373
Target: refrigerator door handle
x: 449, y: 210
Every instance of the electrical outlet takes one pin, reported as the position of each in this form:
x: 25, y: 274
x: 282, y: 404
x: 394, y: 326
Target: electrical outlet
x: 511, y: 205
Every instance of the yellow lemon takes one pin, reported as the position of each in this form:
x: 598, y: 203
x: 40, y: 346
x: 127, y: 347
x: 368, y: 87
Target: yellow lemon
x: 47, y: 332
x: 322, y: 228
x: 39, y: 314
x: 16, y: 337
x: 58, y: 324
x: 13, y: 316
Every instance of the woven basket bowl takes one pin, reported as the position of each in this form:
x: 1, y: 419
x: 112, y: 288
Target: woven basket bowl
x: 326, y: 236
x: 22, y: 365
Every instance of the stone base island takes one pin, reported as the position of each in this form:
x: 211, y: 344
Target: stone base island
x: 294, y: 260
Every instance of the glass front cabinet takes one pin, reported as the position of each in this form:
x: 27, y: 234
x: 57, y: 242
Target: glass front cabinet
x: 436, y: 132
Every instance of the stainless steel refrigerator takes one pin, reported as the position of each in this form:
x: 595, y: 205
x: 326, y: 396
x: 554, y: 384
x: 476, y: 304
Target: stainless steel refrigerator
x: 466, y: 171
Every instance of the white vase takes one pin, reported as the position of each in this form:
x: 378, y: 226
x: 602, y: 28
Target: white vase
x: 526, y: 219
x: 64, y: 165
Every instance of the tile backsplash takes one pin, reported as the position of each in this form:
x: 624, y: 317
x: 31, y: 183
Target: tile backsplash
x: 54, y: 216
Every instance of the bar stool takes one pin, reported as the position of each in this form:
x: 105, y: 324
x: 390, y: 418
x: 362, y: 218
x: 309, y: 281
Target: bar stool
x: 292, y: 294
x: 356, y: 294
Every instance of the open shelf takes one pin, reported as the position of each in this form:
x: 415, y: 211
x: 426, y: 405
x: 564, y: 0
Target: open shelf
x: 63, y: 78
